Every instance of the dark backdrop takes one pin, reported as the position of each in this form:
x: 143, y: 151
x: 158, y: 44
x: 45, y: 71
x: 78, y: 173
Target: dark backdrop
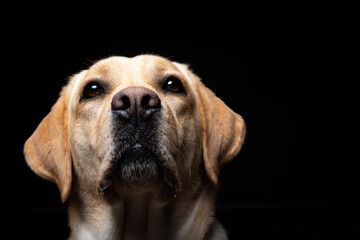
x: 294, y: 177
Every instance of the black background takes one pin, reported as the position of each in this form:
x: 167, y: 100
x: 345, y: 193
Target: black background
x: 295, y: 177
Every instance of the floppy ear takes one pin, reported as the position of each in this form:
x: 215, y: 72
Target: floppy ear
x: 223, y: 132
x: 47, y: 151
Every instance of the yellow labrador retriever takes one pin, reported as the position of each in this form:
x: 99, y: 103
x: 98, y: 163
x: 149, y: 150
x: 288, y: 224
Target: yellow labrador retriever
x: 135, y: 145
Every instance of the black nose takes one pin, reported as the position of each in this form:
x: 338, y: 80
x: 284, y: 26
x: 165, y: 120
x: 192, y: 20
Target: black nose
x: 136, y: 102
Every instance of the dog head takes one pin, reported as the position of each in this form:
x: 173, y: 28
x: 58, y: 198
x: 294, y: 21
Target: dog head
x: 134, y: 125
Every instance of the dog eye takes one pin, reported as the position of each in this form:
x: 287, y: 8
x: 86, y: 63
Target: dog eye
x: 92, y: 90
x: 174, y: 85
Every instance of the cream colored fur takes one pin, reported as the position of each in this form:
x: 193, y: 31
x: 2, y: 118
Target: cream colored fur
x: 72, y: 147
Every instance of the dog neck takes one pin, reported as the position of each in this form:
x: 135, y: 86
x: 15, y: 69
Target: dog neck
x: 142, y: 217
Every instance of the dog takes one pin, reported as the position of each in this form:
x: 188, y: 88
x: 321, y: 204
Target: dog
x: 135, y: 146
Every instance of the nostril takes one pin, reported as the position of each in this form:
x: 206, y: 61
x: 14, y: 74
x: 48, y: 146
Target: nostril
x: 120, y: 102
x: 154, y: 102
x: 125, y: 102
x: 150, y: 101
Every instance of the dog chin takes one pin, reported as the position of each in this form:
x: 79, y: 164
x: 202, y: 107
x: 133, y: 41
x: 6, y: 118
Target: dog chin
x: 138, y: 166
x: 140, y: 170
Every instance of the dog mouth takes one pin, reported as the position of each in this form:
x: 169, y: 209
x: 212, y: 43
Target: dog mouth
x: 139, y: 165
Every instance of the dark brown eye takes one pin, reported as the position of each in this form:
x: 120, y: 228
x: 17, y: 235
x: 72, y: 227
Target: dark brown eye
x: 174, y: 85
x: 92, y: 90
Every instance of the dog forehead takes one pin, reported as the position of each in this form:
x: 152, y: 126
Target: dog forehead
x: 120, y: 67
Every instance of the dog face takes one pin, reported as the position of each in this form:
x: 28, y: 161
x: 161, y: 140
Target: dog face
x: 134, y: 125
x: 135, y: 118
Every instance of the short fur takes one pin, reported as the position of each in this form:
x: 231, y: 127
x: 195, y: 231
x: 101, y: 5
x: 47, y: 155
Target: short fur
x: 165, y: 189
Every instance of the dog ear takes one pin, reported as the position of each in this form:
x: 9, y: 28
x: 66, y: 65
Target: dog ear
x: 47, y: 151
x: 223, y: 132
